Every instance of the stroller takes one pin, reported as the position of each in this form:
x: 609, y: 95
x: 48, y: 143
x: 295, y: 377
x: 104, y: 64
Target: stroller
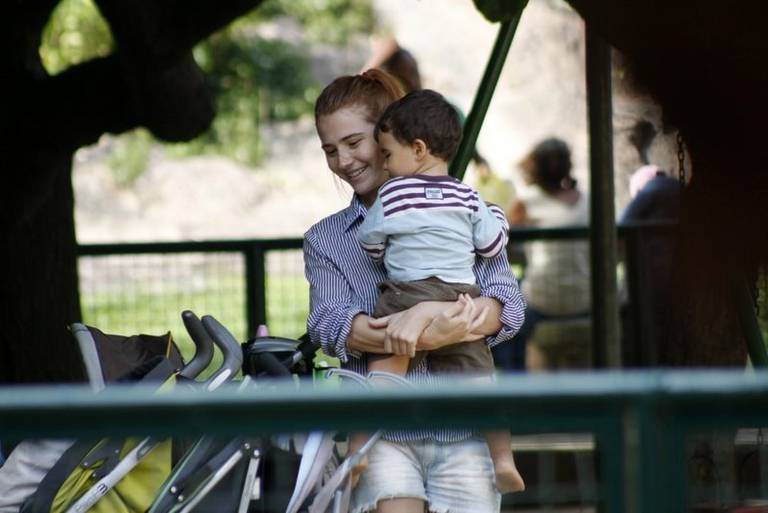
x: 254, y: 475
x: 117, y: 474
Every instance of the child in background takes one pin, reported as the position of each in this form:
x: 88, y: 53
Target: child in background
x: 428, y: 227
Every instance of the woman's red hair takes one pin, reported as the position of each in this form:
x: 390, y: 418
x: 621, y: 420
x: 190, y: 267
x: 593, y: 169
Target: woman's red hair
x: 372, y: 90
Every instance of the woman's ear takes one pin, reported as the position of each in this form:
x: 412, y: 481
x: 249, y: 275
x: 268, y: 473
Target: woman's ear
x: 420, y: 149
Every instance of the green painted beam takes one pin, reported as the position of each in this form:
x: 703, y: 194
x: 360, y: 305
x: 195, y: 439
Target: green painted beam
x: 483, y: 96
x: 606, y: 340
x: 570, y: 402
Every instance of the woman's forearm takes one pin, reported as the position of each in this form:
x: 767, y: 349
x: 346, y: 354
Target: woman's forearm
x: 363, y: 338
x: 492, y: 323
x: 457, y: 325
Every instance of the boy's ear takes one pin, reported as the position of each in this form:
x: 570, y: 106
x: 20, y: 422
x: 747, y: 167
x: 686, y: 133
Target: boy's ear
x: 420, y: 148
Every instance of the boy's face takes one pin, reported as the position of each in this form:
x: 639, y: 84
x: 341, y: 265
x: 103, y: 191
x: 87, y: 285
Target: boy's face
x: 399, y: 159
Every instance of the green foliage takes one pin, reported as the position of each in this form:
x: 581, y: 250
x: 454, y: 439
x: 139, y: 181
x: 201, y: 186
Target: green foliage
x: 258, y: 80
x: 255, y: 79
x: 76, y: 32
x: 500, y: 10
x: 327, y: 21
x: 130, y: 155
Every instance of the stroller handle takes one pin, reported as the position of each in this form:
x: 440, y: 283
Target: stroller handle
x: 230, y: 348
x: 270, y: 364
x: 203, y: 345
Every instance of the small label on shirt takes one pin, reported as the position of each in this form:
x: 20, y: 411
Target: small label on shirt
x: 433, y: 192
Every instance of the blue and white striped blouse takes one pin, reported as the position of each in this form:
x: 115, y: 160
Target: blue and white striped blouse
x: 343, y: 283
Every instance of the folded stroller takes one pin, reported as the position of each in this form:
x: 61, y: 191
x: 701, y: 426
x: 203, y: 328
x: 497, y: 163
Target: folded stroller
x: 124, y: 475
x: 157, y: 476
x: 316, y: 490
x: 247, y: 473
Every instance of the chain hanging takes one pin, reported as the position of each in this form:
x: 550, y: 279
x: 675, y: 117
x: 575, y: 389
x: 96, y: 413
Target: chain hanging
x: 681, y: 160
x: 762, y: 283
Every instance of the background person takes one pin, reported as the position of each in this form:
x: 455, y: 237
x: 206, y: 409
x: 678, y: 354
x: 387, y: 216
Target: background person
x: 655, y: 198
x: 407, y: 470
x: 556, y: 285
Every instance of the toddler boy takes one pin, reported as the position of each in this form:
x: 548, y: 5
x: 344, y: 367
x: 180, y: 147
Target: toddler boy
x: 428, y: 228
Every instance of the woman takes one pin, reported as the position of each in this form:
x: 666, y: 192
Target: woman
x: 343, y: 291
x: 556, y: 284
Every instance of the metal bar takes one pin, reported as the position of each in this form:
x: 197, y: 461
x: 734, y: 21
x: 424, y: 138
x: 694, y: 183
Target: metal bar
x: 483, y: 96
x: 521, y: 233
x: 255, y: 289
x: 610, y: 445
x: 188, y: 246
x: 748, y: 319
x: 605, y: 318
x: 653, y: 457
x: 564, y: 402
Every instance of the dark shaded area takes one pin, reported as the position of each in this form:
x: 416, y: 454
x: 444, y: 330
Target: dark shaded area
x: 703, y: 62
x: 150, y: 80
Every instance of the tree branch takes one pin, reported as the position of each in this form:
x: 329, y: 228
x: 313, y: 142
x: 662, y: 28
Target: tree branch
x: 162, y: 31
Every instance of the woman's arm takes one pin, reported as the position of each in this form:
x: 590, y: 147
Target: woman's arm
x: 433, y: 324
x: 498, y: 284
x: 364, y: 338
x: 335, y: 320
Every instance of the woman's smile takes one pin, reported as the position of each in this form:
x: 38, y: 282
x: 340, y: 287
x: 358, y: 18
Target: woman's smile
x: 351, y: 151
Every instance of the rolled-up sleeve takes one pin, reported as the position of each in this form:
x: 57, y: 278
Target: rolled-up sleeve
x: 331, y: 306
x: 496, y: 280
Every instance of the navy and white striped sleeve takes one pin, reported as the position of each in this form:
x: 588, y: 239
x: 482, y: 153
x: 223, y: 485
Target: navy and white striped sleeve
x: 490, y: 230
x: 496, y: 280
x: 499, y: 214
x: 372, y: 238
x: 331, y: 308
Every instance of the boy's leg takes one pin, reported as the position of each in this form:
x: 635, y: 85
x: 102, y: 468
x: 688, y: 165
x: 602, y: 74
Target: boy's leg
x: 474, y: 359
x: 386, y: 363
x: 395, y: 364
x: 508, y: 478
x: 393, y: 298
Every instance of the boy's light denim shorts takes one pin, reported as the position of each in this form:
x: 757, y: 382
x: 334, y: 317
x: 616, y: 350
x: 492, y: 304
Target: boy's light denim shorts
x: 450, y: 477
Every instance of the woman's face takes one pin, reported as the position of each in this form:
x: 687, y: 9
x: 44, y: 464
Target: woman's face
x: 351, y: 151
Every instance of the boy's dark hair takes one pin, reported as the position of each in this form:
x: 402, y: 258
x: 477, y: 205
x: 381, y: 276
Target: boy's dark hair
x: 424, y: 115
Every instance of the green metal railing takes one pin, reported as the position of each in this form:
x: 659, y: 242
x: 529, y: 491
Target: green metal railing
x: 640, y: 421
x: 253, y: 252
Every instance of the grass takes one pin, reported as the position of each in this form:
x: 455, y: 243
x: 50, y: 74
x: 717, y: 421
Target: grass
x: 147, y: 308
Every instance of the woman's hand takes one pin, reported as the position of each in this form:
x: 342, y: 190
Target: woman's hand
x: 403, y: 329
x: 460, y: 322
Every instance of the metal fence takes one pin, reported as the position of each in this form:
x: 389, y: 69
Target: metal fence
x: 142, y: 287
x: 648, y: 428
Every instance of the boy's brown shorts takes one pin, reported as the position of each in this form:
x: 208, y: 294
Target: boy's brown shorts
x: 468, y: 357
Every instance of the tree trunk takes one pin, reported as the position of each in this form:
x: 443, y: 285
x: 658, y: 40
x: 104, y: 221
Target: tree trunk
x: 151, y: 80
x: 41, y: 296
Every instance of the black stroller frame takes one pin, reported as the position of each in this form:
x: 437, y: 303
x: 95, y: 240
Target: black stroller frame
x: 244, y: 474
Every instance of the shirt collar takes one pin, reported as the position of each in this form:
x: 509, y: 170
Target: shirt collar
x: 355, y: 211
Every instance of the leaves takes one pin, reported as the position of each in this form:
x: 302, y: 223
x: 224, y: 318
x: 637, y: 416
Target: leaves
x: 255, y: 79
x: 75, y: 33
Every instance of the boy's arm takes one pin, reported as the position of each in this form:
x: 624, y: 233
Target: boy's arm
x: 490, y: 230
x: 371, y: 235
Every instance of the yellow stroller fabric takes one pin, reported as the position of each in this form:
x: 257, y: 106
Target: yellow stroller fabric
x: 133, y: 494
